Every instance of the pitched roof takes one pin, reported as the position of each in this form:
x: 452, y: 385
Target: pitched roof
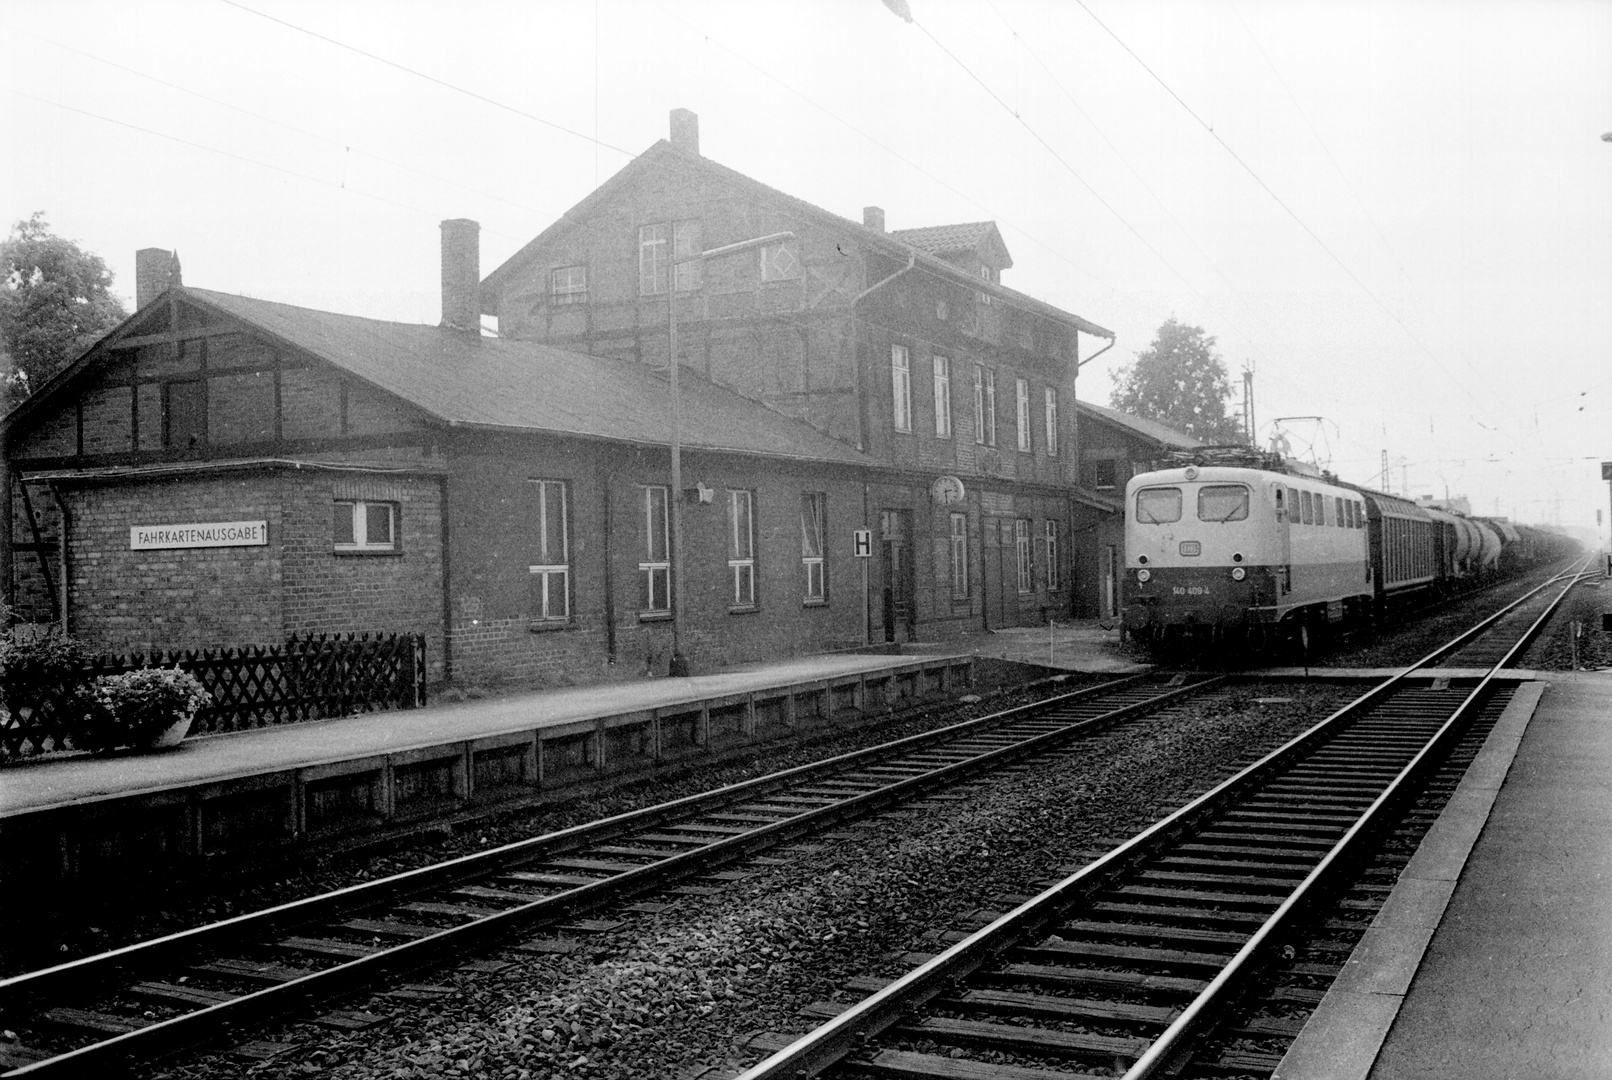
x: 1151, y: 429
x: 664, y: 155
x: 947, y: 240
x: 529, y: 386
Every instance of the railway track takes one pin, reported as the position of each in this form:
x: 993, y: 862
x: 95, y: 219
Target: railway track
x: 1152, y: 959
x: 117, y: 1010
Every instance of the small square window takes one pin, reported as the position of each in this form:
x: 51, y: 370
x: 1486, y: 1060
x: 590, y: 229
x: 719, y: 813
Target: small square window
x: 570, y: 285
x: 361, y: 525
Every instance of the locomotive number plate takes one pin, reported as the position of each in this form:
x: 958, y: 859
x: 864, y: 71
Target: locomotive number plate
x: 1189, y: 590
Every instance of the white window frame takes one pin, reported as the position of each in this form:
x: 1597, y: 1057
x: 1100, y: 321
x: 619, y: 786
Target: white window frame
x: 943, y: 397
x: 686, y: 243
x: 1052, y: 421
x: 361, y: 542
x: 568, y: 285
x: 1054, y: 573
x: 655, y: 574
x: 552, y: 570
x: 1021, y: 543
x: 1021, y: 390
x: 984, y: 405
x: 654, y: 246
x: 959, y: 553
x: 901, y: 387
x: 742, y: 546
x: 660, y: 246
x: 984, y: 297
x: 813, y: 530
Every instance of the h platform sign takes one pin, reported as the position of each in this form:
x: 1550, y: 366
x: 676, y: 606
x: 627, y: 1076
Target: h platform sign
x: 862, y: 543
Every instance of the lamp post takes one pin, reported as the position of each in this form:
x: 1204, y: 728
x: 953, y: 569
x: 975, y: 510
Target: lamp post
x: 679, y: 665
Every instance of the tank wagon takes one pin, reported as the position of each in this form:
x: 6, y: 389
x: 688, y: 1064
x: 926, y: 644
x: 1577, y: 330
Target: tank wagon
x: 1244, y: 548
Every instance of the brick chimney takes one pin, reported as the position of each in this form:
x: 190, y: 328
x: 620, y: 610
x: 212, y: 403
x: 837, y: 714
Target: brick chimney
x: 155, y: 271
x: 461, y: 276
x: 873, y: 217
x: 686, y: 131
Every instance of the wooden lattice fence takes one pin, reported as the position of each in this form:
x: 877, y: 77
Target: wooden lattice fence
x: 307, y: 678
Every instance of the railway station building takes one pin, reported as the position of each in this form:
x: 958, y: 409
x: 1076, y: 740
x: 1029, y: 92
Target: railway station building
x: 222, y: 470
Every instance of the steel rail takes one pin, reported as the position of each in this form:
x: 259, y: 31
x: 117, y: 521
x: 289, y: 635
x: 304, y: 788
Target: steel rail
x: 1172, y: 1042
x: 480, y: 863
x: 838, y: 1038
x: 202, y: 1024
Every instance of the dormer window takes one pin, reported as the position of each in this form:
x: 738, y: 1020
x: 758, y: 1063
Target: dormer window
x: 988, y: 274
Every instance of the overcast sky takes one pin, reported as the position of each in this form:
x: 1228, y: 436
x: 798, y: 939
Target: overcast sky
x: 1398, y: 212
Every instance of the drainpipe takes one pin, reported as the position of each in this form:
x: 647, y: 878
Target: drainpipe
x: 61, y: 541
x: 856, y: 350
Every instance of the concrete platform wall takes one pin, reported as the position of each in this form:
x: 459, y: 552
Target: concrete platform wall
x: 113, y: 842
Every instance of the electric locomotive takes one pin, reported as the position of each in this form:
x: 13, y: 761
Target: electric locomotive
x: 1242, y: 550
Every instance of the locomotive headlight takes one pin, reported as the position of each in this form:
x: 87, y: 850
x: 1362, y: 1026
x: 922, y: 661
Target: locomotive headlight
x: 1144, y: 576
x: 1238, y: 573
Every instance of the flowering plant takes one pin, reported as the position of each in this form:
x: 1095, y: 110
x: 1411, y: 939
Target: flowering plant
x: 137, y: 705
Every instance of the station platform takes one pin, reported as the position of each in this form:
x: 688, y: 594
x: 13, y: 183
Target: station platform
x: 1492, y: 957
x: 78, y: 819
x: 32, y: 786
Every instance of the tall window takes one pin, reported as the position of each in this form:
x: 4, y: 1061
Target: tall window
x: 1054, y: 577
x: 658, y: 245
x: 1021, y: 543
x: 653, y: 258
x: 655, y: 568
x: 1052, y: 421
x: 959, y: 556
x: 943, y: 397
x: 361, y: 525
x: 986, y: 274
x: 742, y: 548
x: 984, y: 406
x: 901, y: 387
x: 686, y: 244
x: 569, y: 284
x: 184, y: 414
x: 550, y: 568
x: 1021, y: 389
x: 813, y: 514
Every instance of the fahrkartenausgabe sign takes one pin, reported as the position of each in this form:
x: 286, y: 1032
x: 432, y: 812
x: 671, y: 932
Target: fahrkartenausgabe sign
x: 199, y: 535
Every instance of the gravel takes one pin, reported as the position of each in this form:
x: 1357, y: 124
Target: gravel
x: 135, y: 915
x: 670, y: 992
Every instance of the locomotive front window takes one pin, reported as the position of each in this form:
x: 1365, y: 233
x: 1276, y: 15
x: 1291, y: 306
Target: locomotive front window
x: 1158, y: 506
x: 1222, y: 502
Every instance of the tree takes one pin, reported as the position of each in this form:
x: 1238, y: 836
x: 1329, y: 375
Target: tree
x: 1181, y: 381
x: 55, y: 302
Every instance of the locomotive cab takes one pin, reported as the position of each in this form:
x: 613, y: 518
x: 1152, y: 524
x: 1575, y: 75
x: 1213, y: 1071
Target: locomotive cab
x: 1229, y: 553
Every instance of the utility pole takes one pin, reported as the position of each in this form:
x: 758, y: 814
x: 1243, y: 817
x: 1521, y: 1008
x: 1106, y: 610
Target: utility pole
x: 1249, y: 427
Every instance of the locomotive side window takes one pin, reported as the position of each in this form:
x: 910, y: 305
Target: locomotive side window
x: 1360, y: 515
x: 1337, y: 519
x: 1320, y: 509
x: 1306, y: 508
x: 1222, y: 502
x: 1293, y: 506
x: 1158, y: 506
x: 1281, y: 503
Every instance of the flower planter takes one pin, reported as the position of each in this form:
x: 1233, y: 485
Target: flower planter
x: 169, y: 736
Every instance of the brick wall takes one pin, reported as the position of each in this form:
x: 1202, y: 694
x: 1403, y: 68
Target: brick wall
x: 496, y: 634
x: 123, y: 600
x: 326, y: 591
